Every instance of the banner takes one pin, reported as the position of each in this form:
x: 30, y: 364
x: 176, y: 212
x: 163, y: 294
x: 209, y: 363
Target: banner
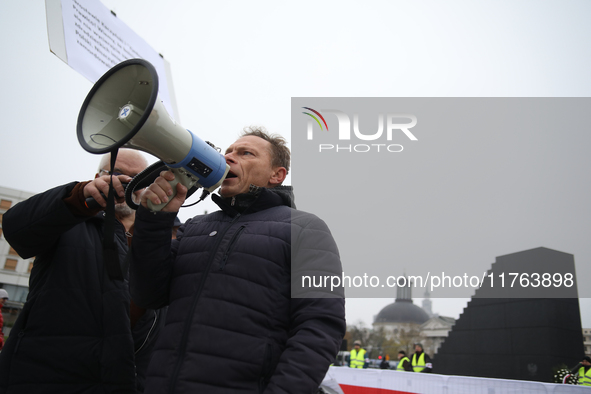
x: 377, y: 381
x: 91, y: 39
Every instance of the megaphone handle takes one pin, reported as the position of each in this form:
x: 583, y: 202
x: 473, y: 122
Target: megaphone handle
x: 179, y: 176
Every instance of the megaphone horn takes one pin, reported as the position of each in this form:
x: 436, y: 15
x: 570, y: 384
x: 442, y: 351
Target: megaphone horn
x: 123, y: 110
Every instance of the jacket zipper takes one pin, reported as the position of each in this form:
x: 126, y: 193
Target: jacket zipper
x: 230, y: 247
x: 149, y: 333
x: 265, y: 368
x: 21, y: 334
x: 189, y: 318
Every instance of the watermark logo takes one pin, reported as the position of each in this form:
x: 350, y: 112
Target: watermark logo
x: 393, y: 124
x: 316, y: 119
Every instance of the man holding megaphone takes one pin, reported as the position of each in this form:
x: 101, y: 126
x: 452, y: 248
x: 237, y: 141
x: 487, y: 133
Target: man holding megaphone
x: 74, y: 333
x: 238, y: 320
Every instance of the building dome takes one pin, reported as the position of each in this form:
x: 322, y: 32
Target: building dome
x: 402, y: 311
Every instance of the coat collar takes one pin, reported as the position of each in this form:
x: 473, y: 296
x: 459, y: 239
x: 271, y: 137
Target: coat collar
x: 256, y: 199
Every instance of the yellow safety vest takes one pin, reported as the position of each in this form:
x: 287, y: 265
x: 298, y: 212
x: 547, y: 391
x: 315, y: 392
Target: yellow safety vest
x: 357, y: 359
x: 399, y: 367
x: 418, y: 365
x: 584, y: 378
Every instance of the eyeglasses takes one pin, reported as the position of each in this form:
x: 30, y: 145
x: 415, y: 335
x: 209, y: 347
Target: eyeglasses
x: 114, y: 173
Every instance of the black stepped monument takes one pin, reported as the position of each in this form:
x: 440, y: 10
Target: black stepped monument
x: 507, y: 333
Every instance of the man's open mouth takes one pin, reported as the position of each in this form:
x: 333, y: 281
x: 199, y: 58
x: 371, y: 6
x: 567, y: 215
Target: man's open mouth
x: 230, y: 175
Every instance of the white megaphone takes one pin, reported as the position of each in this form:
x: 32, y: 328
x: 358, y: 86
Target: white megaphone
x: 123, y: 110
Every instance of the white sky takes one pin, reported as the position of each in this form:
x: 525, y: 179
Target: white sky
x: 239, y: 63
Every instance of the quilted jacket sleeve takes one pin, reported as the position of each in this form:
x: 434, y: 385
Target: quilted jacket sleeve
x: 317, y: 324
x: 152, y: 255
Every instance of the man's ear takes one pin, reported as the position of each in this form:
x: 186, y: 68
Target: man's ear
x: 278, y: 176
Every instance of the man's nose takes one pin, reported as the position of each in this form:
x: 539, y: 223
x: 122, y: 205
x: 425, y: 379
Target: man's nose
x: 229, y: 158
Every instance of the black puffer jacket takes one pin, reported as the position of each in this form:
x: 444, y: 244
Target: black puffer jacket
x: 73, y: 334
x: 232, y: 326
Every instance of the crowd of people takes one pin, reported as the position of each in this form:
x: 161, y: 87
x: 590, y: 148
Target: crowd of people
x: 419, y: 361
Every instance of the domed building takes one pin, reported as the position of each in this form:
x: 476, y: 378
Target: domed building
x: 401, y: 311
x: 402, y: 314
x: 407, y: 323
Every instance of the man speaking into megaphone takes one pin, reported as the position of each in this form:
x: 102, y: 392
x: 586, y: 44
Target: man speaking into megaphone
x: 233, y: 324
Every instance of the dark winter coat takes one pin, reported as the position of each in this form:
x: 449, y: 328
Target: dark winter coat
x: 73, y: 334
x: 232, y: 325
